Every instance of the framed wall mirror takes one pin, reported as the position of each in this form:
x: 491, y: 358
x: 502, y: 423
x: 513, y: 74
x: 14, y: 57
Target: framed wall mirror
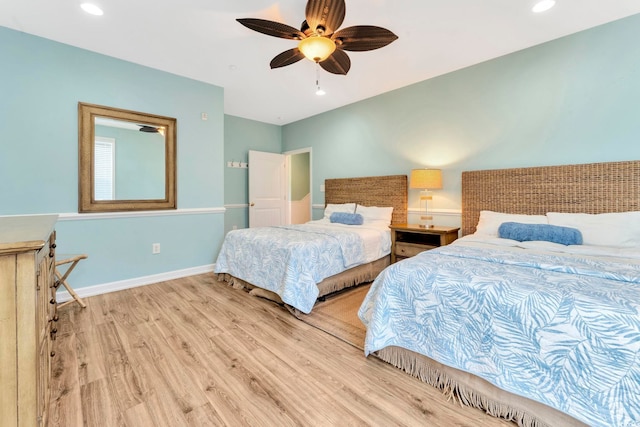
x: 127, y: 160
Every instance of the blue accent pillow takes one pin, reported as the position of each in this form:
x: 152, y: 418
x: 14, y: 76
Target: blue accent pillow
x: 550, y: 233
x: 346, y: 218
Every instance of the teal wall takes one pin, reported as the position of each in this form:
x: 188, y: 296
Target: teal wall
x: 300, y: 180
x: 572, y: 100
x: 139, y: 163
x: 41, y: 83
x: 240, y: 136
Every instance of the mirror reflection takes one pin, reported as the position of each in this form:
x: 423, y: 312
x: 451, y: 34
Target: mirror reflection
x: 127, y: 160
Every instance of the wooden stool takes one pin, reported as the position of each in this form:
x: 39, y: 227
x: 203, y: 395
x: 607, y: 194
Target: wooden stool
x: 62, y: 278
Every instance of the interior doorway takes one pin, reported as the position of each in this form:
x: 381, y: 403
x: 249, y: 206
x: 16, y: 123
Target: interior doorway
x: 280, y: 188
x: 300, y: 198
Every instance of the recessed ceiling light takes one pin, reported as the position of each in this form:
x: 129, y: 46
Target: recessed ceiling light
x: 92, y: 9
x: 543, y: 6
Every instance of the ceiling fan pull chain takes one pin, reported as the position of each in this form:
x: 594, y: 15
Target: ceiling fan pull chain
x: 319, y: 90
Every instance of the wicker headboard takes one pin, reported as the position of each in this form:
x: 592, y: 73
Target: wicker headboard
x: 371, y: 191
x: 588, y: 188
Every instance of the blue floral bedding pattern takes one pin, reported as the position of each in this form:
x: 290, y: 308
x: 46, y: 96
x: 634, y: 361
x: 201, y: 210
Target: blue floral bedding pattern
x: 558, y: 329
x: 290, y: 260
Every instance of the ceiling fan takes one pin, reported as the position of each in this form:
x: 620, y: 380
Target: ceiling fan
x: 148, y: 129
x: 319, y: 38
x: 152, y: 129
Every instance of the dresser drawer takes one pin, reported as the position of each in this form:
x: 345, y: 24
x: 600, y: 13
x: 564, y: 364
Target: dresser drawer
x: 404, y: 249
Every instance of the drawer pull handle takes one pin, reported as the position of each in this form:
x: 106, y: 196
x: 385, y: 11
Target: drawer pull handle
x: 53, y: 246
x: 52, y: 301
x: 53, y: 353
x: 56, y: 284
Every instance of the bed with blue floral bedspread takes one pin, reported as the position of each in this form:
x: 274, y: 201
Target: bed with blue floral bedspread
x: 557, y: 328
x: 291, y: 260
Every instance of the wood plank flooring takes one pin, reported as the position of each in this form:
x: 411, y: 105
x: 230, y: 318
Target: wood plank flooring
x: 196, y: 352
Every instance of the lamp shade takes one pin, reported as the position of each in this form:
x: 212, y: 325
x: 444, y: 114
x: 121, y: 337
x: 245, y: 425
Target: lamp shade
x: 317, y: 48
x: 426, y: 179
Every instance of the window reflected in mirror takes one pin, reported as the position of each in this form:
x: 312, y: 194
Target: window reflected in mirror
x: 127, y: 160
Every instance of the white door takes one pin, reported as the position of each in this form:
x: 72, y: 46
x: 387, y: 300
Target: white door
x: 267, y: 189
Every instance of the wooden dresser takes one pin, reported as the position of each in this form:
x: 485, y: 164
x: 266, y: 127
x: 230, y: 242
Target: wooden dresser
x: 28, y: 316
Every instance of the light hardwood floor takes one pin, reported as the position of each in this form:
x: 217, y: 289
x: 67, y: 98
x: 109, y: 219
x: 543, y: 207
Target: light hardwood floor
x: 196, y: 352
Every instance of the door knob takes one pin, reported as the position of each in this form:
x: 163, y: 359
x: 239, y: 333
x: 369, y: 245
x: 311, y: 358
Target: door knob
x: 252, y: 204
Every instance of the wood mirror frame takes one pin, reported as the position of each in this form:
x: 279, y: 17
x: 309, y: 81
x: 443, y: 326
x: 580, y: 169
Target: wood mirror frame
x: 87, y: 114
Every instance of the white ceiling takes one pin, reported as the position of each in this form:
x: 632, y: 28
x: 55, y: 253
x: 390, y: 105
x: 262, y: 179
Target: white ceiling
x: 200, y: 39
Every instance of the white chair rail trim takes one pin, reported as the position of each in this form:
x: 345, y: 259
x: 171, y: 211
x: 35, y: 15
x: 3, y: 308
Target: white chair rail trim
x: 134, y: 214
x: 417, y: 211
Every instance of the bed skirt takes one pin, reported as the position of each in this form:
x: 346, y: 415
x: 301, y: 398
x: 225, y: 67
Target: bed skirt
x: 352, y: 277
x: 473, y: 391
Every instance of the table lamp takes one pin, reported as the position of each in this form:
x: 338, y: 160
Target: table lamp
x: 426, y: 180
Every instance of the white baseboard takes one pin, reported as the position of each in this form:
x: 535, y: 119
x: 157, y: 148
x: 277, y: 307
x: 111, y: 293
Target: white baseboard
x: 104, y: 288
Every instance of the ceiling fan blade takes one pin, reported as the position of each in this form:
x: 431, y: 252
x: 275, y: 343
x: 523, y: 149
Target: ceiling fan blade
x: 363, y: 37
x: 272, y: 28
x: 337, y: 63
x: 326, y: 14
x: 287, y: 57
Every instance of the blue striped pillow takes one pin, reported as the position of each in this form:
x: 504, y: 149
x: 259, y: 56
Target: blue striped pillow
x: 346, y: 218
x: 549, y: 233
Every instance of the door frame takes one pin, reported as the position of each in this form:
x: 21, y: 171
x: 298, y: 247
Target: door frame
x: 288, y: 155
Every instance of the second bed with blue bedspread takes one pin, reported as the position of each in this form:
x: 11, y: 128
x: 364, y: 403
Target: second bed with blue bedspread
x: 290, y: 260
x: 560, y: 329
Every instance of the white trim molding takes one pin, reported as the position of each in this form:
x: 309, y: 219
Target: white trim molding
x: 441, y: 217
x: 417, y: 211
x: 135, y: 214
x: 237, y: 206
x: 440, y: 212
x: 104, y: 288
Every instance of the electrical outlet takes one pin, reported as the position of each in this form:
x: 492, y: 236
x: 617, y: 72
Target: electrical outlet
x: 155, y: 248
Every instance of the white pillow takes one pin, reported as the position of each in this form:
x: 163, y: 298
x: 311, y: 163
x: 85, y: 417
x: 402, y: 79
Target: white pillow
x: 375, y: 214
x: 342, y: 207
x: 619, y: 229
x: 490, y: 221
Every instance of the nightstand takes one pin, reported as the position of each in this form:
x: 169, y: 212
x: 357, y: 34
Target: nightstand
x: 408, y: 240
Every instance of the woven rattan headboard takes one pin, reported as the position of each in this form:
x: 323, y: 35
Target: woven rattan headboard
x: 589, y: 188
x: 371, y: 191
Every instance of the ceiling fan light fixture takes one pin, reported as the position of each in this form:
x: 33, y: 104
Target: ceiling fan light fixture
x: 317, y: 48
x: 92, y: 9
x: 543, y: 6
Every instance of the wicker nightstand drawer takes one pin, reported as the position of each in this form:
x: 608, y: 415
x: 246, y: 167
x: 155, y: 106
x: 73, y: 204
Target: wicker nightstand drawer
x: 404, y: 249
x: 409, y: 240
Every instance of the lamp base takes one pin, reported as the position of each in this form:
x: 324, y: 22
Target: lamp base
x: 426, y: 221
